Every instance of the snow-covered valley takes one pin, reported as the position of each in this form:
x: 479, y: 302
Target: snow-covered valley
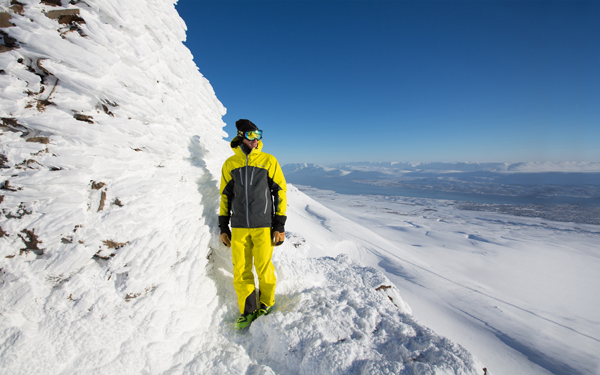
x: 518, y: 292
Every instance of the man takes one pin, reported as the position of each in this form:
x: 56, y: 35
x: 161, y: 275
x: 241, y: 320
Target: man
x: 253, y: 198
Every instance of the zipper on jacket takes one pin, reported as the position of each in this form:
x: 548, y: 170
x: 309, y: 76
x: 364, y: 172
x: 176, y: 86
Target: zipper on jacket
x: 246, y: 186
x: 266, y: 200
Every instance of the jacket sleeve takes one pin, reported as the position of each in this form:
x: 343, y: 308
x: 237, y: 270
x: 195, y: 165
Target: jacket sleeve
x: 278, y: 190
x: 226, y: 191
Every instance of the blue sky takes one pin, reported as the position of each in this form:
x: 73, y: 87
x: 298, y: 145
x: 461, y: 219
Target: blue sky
x: 341, y: 81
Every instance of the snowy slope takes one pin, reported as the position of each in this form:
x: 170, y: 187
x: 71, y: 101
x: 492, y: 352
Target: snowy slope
x: 110, y: 153
x: 520, y: 293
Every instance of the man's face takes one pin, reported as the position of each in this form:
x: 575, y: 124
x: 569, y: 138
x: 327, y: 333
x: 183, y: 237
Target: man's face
x: 250, y: 144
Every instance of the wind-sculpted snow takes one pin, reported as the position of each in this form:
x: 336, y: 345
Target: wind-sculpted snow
x: 111, y: 144
x: 97, y: 130
x: 107, y: 193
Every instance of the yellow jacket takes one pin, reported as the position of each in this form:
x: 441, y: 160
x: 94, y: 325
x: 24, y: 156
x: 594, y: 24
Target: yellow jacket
x: 253, y: 189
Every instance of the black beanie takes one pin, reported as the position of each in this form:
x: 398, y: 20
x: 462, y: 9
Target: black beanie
x: 245, y: 125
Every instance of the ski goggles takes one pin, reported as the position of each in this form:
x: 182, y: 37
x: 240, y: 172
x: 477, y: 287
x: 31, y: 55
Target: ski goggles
x: 253, y: 135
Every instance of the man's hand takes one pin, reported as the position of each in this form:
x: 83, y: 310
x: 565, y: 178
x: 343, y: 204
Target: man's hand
x: 278, y: 230
x: 278, y: 238
x: 226, y: 239
x: 225, y: 231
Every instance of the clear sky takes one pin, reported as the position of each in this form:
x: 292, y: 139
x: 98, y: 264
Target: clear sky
x: 336, y: 81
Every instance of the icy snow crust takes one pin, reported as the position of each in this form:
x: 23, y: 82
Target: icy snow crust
x: 110, y: 155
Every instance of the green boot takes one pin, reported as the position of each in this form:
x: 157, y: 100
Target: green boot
x: 244, y: 320
x: 264, y: 310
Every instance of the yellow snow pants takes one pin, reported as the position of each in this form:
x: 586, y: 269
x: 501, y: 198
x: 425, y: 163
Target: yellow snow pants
x: 248, y: 244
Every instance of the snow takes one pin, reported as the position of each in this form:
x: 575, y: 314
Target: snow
x: 111, y: 146
x: 519, y: 293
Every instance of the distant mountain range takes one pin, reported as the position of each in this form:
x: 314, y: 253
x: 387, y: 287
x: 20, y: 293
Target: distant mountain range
x: 577, y: 179
x: 522, y: 167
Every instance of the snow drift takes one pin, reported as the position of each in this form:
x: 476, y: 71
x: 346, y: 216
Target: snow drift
x: 110, y: 153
